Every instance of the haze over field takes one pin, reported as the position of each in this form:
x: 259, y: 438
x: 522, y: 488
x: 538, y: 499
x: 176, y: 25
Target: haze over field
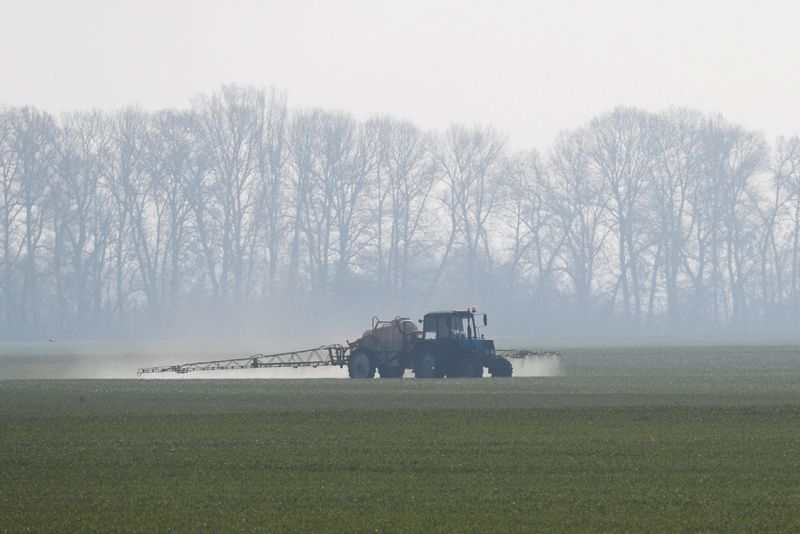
x: 279, y: 189
x: 261, y: 169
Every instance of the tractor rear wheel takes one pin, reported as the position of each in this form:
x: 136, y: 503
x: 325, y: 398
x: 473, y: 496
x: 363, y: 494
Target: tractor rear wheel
x: 425, y: 365
x: 471, y: 367
x: 391, y: 372
x: 360, y: 366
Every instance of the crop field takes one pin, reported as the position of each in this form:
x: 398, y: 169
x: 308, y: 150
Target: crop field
x: 650, y: 438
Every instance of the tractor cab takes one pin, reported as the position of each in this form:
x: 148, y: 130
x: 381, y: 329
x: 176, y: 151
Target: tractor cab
x: 452, y: 345
x: 451, y: 325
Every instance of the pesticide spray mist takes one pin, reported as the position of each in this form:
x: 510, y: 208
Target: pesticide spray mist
x: 94, y: 361
x: 537, y: 366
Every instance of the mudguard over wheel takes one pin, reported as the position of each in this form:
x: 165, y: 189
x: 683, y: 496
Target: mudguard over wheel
x: 425, y: 365
x: 360, y: 366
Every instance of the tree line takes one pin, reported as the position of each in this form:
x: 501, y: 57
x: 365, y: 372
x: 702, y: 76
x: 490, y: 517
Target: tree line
x: 242, y: 215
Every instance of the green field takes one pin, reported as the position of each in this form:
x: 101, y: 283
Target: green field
x: 635, y: 438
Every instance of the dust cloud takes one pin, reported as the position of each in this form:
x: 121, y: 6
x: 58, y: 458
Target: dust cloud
x: 537, y: 366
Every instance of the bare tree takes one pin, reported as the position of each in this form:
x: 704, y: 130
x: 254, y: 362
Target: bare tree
x: 536, y: 239
x: 10, y: 212
x: 33, y: 138
x: 622, y: 148
x: 469, y: 161
x: 169, y: 171
x: 82, y: 221
x: 350, y: 161
x: 783, y: 215
x: 677, y: 171
x: 582, y: 212
x: 304, y: 139
x: 731, y: 157
x: 137, y: 242
x: 333, y: 160
x: 232, y: 128
x: 404, y: 182
x: 271, y: 175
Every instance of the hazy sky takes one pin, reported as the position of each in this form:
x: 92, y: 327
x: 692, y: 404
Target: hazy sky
x: 529, y: 68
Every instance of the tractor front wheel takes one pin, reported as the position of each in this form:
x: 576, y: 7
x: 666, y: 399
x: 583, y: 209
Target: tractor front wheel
x: 425, y: 365
x: 501, y: 368
x: 360, y: 366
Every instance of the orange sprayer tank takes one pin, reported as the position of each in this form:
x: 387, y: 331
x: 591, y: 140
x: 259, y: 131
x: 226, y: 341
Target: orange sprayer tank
x: 390, y: 336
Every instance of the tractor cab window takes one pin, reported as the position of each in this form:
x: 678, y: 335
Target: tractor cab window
x: 458, y: 329
x: 437, y: 327
x: 442, y: 327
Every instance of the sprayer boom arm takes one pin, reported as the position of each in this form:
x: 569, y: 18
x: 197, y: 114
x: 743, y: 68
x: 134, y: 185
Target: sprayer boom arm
x: 525, y: 353
x: 317, y: 357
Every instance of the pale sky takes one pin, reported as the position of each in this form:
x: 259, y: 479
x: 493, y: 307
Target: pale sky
x: 528, y: 68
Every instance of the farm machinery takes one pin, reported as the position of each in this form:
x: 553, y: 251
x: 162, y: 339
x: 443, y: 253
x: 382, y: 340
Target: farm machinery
x: 449, y: 344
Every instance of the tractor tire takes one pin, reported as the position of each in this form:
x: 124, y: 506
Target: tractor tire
x: 391, y: 372
x: 360, y: 366
x: 501, y: 368
x: 471, y: 367
x: 425, y: 365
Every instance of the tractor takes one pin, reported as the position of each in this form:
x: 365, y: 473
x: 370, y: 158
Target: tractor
x: 449, y: 345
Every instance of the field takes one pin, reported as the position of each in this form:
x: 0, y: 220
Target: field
x: 651, y: 438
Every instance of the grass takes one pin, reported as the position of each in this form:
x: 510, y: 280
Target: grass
x: 643, y: 439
